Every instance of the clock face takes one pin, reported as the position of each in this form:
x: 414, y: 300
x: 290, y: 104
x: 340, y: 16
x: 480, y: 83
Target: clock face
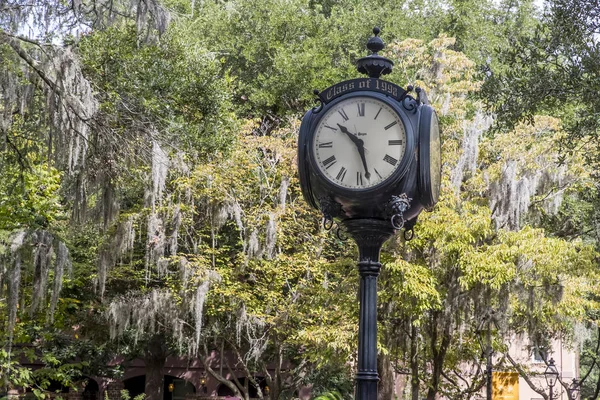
x: 435, y: 157
x: 359, y: 143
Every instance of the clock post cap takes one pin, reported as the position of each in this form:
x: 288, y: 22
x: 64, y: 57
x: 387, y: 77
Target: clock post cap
x: 375, y: 43
x: 374, y: 65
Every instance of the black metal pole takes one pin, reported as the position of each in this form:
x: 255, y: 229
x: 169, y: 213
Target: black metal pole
x: 369, y: 235
x: 551, y: 387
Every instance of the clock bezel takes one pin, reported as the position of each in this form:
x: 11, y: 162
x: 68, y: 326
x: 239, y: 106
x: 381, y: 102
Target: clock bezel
x: 405, y: 162
x: 426, y: 114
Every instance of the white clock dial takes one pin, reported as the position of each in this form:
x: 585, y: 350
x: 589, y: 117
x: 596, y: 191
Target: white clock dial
x: 359, y: 143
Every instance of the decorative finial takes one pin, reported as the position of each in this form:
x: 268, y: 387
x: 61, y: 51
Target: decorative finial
x: 374, y: 65
x: 375, y: 43
x: 421, y: 96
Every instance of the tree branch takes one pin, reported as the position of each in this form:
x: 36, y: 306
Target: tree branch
x: 25, y: 39
x: 249, y: 376
x: 526, y: 377
x: 217, y: 375
x: 594, y: 359
x: 11, y: 41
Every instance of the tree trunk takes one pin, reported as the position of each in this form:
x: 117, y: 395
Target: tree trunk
x: 414, y: 361
x: 154, y: 359
x: 438, y: 352
x: 275, y: 381
x: 275, y: 392
x: 386, y: 378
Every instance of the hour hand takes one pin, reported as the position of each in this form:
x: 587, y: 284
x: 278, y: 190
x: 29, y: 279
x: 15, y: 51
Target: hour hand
x: 351, y: 136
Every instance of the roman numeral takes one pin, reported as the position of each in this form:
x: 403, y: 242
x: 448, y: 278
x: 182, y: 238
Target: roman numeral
x: 325, y: 145
x: 390, y: 125
x: 343, y: 114
x: 331, y: 127
x: 359, y: 179
x: 329, y: 162
x: 377, y: 115
x: 390, y: 159
x: 361, y: 109
x: 378, y: 174
x: 340, y: 176
x: 395, y: 142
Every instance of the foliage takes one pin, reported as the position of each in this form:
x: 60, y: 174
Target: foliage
x: 29, y: 191
x: 330, y: 396
x: 279, y: 49
x: 552, y: 70
x: 483, y: 28
x: 271, y: 299
x: 162, y: 155
x: 126, y: 396
x: 166, y: 86
x: 474, y: 252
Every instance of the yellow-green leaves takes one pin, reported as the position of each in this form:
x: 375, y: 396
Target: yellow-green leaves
x: 29, y: 189
x: 413, y: 287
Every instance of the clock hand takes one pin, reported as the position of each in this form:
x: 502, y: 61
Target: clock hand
x: 360, y: 145
x: 361, y: 152
x: 350, y: 135
x: 366, y: 150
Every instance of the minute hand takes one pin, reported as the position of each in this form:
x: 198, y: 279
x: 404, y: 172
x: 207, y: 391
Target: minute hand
x: 360, y: 145
x: 361, y: 152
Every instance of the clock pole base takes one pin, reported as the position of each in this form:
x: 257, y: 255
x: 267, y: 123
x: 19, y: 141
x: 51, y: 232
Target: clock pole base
x: 369, y: 235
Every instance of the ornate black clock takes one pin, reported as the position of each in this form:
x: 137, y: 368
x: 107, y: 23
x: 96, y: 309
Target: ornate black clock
x: 369, y: 157
x: 370, y: 149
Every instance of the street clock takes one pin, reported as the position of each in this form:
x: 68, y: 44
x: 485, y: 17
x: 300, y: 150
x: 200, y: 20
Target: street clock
x: 369, y: 158
x: 370, y: 149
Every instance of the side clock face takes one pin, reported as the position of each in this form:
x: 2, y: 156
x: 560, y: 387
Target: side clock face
x: 359, y: 143
x: 430, y: 157
x: 435, y: 158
